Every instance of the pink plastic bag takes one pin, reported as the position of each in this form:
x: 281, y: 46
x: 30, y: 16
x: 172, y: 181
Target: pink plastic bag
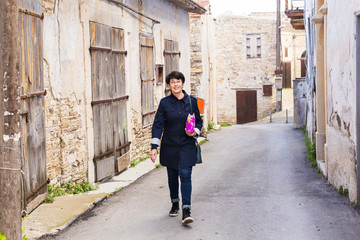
x: 190, y: 123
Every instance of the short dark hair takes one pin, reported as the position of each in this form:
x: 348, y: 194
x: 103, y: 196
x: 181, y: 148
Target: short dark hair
x: 175, y: 75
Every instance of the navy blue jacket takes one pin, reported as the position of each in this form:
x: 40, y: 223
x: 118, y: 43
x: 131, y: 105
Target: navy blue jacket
x: 169, y: 126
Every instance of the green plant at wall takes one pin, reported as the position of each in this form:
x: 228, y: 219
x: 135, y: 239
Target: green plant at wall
x: 24, y: 236
x: 203, y: 141
x: 135, y: 162
x: 2, y: 236
x: 210, y: 126
x: 69, y: 188
x: 343, y: 191
x: 311, y: 148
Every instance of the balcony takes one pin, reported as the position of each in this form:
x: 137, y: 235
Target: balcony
x: 294, y: 9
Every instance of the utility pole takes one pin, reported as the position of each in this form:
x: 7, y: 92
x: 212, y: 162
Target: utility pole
x: 278, y: 78
x: 10, y: 173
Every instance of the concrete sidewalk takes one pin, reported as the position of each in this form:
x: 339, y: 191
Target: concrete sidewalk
x: 51, y: 218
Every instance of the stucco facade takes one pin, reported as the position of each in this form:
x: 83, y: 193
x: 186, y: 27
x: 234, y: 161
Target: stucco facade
x: 67, y: 75
x: 334, y: 27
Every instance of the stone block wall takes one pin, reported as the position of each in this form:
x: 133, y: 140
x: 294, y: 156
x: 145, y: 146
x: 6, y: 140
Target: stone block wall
x: 66, y: 140
x: 235, y: 71
x: 196, y: 53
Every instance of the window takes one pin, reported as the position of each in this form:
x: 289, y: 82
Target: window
x: 267, y: 90
x: 253, y: 46
x: 147, y: 79
x: 159, y: 73
x: 172, y: 55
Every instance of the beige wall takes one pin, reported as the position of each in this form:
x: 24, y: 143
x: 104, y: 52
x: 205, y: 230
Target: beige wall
x: 67, y: 75
x: 294, y: 41
x: 235, y: 71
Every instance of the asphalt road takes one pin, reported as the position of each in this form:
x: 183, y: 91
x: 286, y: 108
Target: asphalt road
x: 255, y: 183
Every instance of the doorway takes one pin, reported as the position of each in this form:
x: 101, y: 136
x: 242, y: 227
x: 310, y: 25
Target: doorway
x: 246, y: 106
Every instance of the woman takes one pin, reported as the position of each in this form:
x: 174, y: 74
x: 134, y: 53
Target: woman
x: 178, y: 150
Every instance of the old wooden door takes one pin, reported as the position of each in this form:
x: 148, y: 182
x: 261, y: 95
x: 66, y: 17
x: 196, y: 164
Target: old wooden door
x: 32, y: 104
x: 286, y: 75
x: 111, y: 145
x: 246, y: 106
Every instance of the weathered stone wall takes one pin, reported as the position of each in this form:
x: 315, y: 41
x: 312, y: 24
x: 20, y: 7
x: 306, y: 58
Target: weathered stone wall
x: 196, y: 53
x: 235, y: 71
x: 67, y: 76
x: 66, y: 142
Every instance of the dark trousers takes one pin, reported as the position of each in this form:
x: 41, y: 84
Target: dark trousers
x: 185, y: 178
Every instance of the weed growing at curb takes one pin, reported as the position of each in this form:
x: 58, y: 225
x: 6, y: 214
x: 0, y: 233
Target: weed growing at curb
x: 68, y: 188
x: 224, y: 125
x: 2, y: 236
x: 24, y: 237
x: 311, y: 148
x: 203, y: 141
x: 343, y: 191
x: 210, y: 127
x: 134, y: 162
x: 158, y: 165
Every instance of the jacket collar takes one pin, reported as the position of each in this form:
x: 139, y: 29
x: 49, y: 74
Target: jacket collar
x: 185, y: 99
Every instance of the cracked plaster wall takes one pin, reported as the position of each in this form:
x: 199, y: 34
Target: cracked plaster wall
x: 341, y: 94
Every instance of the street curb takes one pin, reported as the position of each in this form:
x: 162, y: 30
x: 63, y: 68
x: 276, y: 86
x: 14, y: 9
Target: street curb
x: 57, y: 230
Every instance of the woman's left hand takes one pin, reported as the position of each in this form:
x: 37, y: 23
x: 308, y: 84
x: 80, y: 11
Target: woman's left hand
x: 190, y: 134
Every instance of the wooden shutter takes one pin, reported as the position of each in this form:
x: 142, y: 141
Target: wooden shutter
x: 267, y: 90
x: 33, y: 147
x: 253, y: 46
x: 108, y: 99
x: 147, y: 79
x: 172, y: 56
x: 258, y: 46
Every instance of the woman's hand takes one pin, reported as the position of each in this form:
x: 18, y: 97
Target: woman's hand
x: 153, y: 155
x: 190, y: 134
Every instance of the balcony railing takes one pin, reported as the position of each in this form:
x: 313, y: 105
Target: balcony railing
x: 294, y: 9
x: 291, y: 5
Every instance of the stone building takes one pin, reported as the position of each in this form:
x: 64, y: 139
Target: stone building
x: 245, y: 63
x: 232, y: 65
x: 333, y: 34
x: 104, y: 63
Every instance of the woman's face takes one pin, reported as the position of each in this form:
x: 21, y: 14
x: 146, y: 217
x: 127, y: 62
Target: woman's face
x: 176, y: 85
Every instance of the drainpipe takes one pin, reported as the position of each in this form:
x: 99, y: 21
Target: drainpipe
x: 278, y: 77
x: 358, y: 105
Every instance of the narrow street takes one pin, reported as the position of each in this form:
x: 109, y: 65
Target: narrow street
x: 255, y: 183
